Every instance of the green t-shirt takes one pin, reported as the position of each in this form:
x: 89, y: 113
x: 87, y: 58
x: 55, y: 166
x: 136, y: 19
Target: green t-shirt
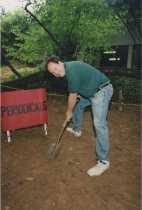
x: 83, y: 78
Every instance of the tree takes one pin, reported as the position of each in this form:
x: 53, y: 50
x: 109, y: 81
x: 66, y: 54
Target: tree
x: 9, y: 64
x: 36, y: 19
x: 12, y: 27
x: 129, y: 12
x: 80, y: 27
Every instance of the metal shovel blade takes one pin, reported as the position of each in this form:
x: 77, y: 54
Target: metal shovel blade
x: 55, y: 148
x: 53, y: 151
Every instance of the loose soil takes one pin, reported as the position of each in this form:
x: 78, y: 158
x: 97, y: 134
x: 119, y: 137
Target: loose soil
x: 30, y: 181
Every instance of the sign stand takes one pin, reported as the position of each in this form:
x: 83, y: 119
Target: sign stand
x: 45, y: 129
x: 8, y: 136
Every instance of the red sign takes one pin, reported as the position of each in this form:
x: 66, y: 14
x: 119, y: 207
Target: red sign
x: 20, y: 109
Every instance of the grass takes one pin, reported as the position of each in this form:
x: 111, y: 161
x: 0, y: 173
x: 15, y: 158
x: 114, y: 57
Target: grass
x: 8, y: 75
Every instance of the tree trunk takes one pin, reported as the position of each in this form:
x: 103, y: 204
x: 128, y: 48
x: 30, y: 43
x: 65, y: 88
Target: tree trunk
x: 49, y: 33
x: 9, y: 64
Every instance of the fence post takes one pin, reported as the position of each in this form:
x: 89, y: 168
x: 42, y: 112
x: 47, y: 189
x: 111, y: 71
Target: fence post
x: 120, y: 100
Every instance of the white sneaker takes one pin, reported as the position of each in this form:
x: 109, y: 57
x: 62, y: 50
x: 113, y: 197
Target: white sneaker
x: 98, y: 169
x: 76, y: 133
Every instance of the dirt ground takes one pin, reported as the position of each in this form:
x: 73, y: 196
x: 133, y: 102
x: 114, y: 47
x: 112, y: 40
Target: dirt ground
x: 29, y: 181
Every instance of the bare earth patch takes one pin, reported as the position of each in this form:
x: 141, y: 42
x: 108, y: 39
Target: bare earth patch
x: 32, y: 182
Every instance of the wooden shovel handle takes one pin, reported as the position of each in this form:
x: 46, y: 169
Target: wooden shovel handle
x: 63, y: 128
x: 65, y: 123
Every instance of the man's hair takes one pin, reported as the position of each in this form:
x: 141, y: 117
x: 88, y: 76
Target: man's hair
x: 53, y: 59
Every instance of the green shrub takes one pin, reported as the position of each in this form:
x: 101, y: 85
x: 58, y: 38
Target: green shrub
x: 131, y: 89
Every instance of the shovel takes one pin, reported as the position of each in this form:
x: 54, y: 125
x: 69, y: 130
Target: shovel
x: 55, y: 148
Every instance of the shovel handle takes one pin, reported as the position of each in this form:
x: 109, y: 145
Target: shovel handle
x: 65, y: 123
x: 61, y: 132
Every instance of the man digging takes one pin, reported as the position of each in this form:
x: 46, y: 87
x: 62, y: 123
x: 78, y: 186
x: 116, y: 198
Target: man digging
x: 87, y: 81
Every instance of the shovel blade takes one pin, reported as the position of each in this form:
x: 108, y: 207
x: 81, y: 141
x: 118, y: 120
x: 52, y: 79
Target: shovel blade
x: 53, y: 151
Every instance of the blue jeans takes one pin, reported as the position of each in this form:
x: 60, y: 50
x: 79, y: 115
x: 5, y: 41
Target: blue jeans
x: 100, y: 103
x: 77, y: 117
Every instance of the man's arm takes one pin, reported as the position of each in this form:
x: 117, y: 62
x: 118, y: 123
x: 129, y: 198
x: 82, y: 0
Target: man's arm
x: 72, y: 99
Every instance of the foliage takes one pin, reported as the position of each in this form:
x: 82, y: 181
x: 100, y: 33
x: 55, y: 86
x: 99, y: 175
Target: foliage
x: 130, y: 87
x: 80, y: 28
x: 129, y: 11
x: 12, y: 27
